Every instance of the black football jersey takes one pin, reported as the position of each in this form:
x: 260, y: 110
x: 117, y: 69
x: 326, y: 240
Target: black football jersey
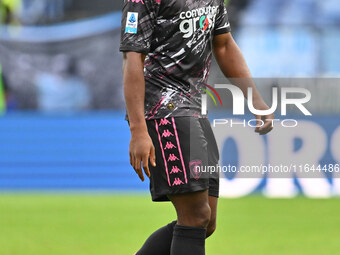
x: 176, y: 36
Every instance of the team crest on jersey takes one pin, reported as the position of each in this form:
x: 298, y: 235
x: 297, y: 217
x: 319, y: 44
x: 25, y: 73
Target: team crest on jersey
x: 131, y: 23
x: 195, y: 168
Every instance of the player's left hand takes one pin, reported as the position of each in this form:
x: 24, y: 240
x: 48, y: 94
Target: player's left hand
x: 266, y: 120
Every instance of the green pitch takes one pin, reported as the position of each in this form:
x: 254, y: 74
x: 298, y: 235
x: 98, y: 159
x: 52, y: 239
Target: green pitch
x: 118, y: 225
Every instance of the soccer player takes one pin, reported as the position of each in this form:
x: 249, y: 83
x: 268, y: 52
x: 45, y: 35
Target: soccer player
x: 167, y: 47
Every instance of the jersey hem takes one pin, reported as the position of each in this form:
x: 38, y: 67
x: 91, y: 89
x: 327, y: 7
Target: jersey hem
x: 222, y: 31
x: 133, y: 49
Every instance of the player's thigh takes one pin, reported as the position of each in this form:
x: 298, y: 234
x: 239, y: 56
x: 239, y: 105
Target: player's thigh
x: 213, y: 207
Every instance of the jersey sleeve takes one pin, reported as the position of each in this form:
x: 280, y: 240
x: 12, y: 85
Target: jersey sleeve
x: 222, y: 24
x: 138, y: 22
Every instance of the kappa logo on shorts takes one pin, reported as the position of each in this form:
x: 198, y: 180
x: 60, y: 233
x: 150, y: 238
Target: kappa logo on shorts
x: 172, y: 157
x: 171, y: 152
x: 131, y: 23
x: 195, y: 168
x: 177, y: 182
x: 169, y: 146
x: 164, y: 122
x: 175, y: 170
x: 167, y: 133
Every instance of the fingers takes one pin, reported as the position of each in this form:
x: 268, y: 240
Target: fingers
x: 146, y: 161
x: 258, y: 124
x: 146, y: 165
x: 131, y: 159
x: 266, y: 128
x: 138, y: 168
x: 141, y: 149
x: 264, y: 125
x: 136, y: 164
x: 153, y: 156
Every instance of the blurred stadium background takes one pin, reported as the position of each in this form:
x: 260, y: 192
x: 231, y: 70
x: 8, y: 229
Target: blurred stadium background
x: 65, y: 181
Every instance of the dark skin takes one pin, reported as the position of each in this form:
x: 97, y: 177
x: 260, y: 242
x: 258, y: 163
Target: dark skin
x: 141, y: 146
x: 194, y: 209
x: 233, y: 65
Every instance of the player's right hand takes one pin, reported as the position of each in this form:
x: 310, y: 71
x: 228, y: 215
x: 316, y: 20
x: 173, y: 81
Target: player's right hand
x: 141, y: 150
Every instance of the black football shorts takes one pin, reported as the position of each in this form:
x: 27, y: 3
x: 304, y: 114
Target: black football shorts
x: 184, y: 147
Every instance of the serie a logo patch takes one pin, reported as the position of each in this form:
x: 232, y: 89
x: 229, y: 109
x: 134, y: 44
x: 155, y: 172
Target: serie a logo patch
x: 131, y: 23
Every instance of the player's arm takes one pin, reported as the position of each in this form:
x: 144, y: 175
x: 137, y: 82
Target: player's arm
x: 141, y: 146
x: 233, y: 65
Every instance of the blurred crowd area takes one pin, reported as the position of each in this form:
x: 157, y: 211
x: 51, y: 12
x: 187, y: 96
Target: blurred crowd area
x: 293, y: 12
x: 243, y: 12
x: 55, y: 59
x: 62, y: 55
x: 42, y: 12
x: 72, y: 75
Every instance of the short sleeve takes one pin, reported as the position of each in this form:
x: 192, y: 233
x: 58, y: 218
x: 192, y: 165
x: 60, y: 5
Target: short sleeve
x: 222, y: 24
x: 138, y: 22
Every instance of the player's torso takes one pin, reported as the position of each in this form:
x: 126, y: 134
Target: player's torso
x: 184, y: 21
x: 180, y: 56
x: 181, y: 44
